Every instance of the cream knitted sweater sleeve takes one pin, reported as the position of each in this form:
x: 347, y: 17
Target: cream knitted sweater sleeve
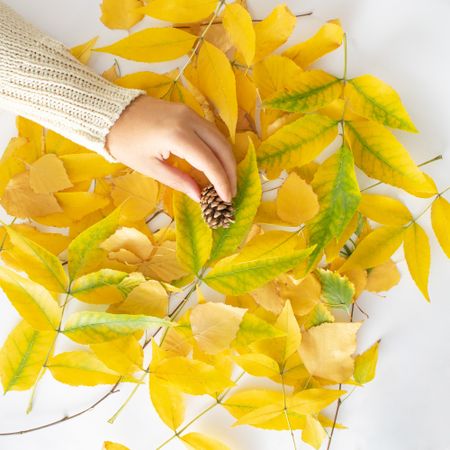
x: 42, y: 81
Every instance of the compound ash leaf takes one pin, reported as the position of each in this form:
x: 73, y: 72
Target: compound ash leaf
x: 121, y: 14
x: 22, y: 356
x: 32, y: 301
x: 385, y: 210
x: 152, y: 45
x: 180, y: 11
x: 337, y: 290
x: 440, y: 218
x: 417, y: 254
x: 365, y: 364
x: 194, y: 237
x: 374, y: 99
x: 198, y: 441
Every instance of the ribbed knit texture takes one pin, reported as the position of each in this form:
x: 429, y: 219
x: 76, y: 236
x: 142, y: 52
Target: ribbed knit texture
x: 42, y: 81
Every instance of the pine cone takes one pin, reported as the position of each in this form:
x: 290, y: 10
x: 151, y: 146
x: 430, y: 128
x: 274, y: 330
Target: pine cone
x: 216, y: 212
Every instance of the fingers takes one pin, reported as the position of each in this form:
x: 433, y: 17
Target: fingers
x: 191, y: 148
x: 175, y: 178
x: 221, y: 148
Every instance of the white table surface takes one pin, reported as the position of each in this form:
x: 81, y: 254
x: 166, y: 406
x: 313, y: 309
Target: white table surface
x: 405, y: 43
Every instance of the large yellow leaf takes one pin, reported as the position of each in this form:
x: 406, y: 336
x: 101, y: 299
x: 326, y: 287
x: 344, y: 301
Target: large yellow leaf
x: 181, y: 11
x: 194, y: 237
x: 243, y: 402
x: 313, y: 433
x: 370, y: 97
x: 273, y: 31
x: 380, y: 155
x: 440, y: 219
x: 310, y: 401
x: 258, y: 364
x: 152, y: 45
x: 296, y: 144
x: 259, y: 262
x: 246, y: 201
x: 328, y: 38
x: 48, y: 174
x: 217, y: 82
x: 238, y: 23
x: 168, y: 401
x: 192, y: 376
x: 41, y: 265
x: 84, y: 251
x: 81, y: 368
x: 121, y: 14
x: 326, y: 350
x: 312, y: 90
x: 198, y: 441
x: 417, y: 253
x: 385, y: 210
x: 86, y: 166
x: 215, y: 325
x: 22, y: 356
x: 365, y: 364
x: 337, y: 189
x: 31, y: 300
x: 92, y: 327
x: 376, y: 248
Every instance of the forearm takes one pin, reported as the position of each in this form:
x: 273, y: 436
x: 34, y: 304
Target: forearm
x: 42, y: 81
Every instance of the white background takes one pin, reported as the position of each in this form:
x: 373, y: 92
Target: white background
x: 406, y: 43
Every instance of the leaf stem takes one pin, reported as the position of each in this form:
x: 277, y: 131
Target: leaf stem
x: 285, y: 410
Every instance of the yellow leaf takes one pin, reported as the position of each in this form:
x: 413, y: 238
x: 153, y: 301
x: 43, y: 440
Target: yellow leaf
x: 168, y: 402
x: 152, y: 45
x: 365, y: 364
x: 383, y: 277
x: 417, y: 253
x: 140, y: 192
x: 384, y: 209
x: 376, y: 248
x: 192, y: 376
x: 296, y: 201
x: 313, y: 433
x: 81, y: 368
x: 296, y: 144
x: 86, y: 166
x: 194, y: 237
x: 48, y: 174
x: 238, y: 23
x: 243, y: 402
x: 197, y: 441
x: 370, y: 97
x: 108, y: 445
x: 311, y: 90
x: 92, y: 327
x: 180, y: 11
x: 22, y: 356
x: 326, y: 350
x: 123, y: 355
x: 215, y: 325
x: 112, y: 74
x: 283, y: 347
x: 217, y: 82
x: 318, y: 315
x: 83, y: 52
x: 273, y: 31
x: 120, y: 14
x: 13, y: 160
x: 31, y: 300
x: 258, y: 364
x: 440, y: 219
x: 328, y: 38
x: 380, y: 155
x: 304, y: 294
x: 268, y: 297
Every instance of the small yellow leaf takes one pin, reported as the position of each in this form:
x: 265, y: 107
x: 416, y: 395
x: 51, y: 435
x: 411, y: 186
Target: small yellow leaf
x: 83, y: 52
x: 296, y: 202
x: 108, y: 445
x: 313, y: 433
x: 180, y: 11
x: 385, y: 210
x: 48, y: 174
x: 86, y: 166
x: 121, y: 14
x: 383, y: 277
x: 417, y: 254
x: 365, y: 364
x: 197, y: 441
x: 258, y: 364
x: 215, y: 325
x: 268, y: 297
x: 440, y: 219
x: 304, y: 294
x: 326, y: 350
x: 152, y: 45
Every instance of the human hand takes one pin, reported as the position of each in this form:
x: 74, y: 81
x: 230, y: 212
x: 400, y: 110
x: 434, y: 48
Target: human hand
x: 151, y: 129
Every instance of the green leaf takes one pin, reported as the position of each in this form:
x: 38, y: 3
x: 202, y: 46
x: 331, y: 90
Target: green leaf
x: 337, y: 189
x: 253, y: 329
x: 193, y: 236
x: 91, y: 327
x: 246, y: 202
x: 22, y: 356
x: 337, y: 290
x: 84, y: 250
x: 366, y: 364
x: 40, y: 265
x: 31, y: 300
x: 296, y: 143
x: 312, y: 90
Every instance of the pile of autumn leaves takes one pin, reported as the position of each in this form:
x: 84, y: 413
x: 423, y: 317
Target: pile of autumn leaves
x: 282, y: 284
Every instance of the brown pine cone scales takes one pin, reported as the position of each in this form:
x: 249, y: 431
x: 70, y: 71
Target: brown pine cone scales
x: 216, y: 212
